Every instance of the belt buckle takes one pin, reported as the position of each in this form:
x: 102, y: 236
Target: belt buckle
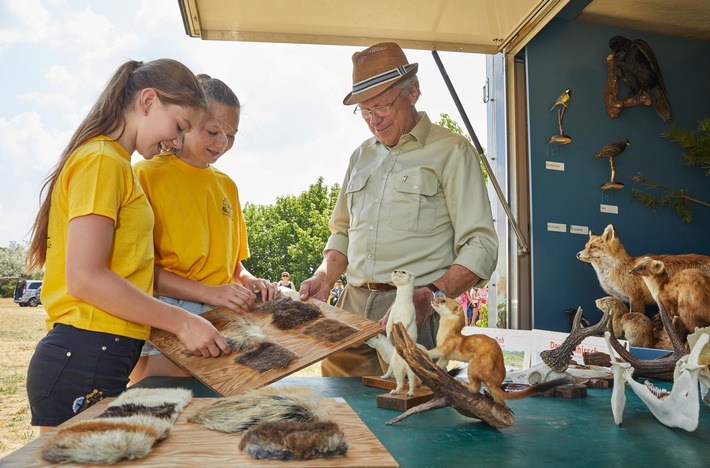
x: 369, y: 288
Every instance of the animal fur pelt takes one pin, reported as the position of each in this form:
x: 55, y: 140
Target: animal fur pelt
x: 269, y: 306
x: 291, y: 314
x: 242, y: 334
x: 266, y: 357
x: 289, y: 440
x: 238, y: 413
x: 330, y: 330
x: 127, y: 429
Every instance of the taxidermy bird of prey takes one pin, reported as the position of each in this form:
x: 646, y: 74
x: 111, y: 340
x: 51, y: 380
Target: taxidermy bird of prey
x: 637, y: 67
x: 563, y: 99
x: 612, y: 150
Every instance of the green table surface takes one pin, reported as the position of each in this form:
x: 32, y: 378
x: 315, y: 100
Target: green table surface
x: 547, y: 431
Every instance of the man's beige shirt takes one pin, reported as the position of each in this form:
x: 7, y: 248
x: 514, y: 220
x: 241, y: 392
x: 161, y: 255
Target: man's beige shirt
x: 420, y: 206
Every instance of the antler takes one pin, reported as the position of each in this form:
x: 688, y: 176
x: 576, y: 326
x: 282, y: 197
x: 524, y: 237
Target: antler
x: 558, y: 358
x: 661, y: 368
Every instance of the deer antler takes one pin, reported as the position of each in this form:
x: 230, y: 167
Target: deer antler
x: 660, y: 368
x: 558, y: 358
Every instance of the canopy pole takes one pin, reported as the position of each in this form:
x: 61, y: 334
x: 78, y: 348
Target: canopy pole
x: 522, y: 243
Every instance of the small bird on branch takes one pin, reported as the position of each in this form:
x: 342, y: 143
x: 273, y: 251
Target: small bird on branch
x: 610, y: 152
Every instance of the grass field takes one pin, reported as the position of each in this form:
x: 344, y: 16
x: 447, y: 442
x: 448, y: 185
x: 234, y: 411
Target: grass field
x: 20, y: 330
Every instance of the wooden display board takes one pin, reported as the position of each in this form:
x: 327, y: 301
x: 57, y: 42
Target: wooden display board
x: 192, y: 445
x: 226, y: 377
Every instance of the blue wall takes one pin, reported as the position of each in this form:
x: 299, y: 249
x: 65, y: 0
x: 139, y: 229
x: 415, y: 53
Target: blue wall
x: 573, y: 54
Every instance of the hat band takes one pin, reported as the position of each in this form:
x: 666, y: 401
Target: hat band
x: 381, y: 78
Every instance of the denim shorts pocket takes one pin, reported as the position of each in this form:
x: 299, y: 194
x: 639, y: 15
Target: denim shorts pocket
x: 45, y: 369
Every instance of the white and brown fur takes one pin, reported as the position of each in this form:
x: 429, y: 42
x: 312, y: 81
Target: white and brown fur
x: 633, y: 326
x: 127, y: 430
x: 612, y: 264
x: 482, y: 353
x: 685, y: 294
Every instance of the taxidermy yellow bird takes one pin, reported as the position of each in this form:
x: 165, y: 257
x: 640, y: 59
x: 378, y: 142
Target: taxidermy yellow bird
x: 563, y: 99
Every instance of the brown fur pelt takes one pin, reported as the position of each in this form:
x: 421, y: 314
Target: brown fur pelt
x: 266, y: 357
x: 291, y: 314
x: 127, y: 429
x: 330, y: 330
x: 270, y: 306
x: 238, y: 413
x: 289, y: 440
x: 634, y: 326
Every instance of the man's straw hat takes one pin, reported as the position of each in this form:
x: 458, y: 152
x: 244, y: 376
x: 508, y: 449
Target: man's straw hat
x: 376, y: 69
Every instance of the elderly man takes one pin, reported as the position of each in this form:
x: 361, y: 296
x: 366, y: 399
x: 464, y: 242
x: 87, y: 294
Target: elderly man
x: 413, y: 198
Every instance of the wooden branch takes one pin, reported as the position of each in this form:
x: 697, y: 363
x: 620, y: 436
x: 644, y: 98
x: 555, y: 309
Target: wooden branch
x: 558, y: 358
x: 611, y: 92
x: 447, y: 390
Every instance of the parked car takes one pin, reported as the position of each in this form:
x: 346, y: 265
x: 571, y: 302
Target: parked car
x: 27, y: 293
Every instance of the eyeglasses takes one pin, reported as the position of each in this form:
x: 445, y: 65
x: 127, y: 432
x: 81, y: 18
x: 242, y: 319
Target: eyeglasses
x: 380, y: 111
x: 284, y: 276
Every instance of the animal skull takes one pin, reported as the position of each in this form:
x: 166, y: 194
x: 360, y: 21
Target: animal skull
x: 678, y: 408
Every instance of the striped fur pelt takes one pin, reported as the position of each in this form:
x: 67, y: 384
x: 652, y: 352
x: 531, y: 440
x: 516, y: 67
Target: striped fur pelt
x: 238, y: 413
x: 126, y: 430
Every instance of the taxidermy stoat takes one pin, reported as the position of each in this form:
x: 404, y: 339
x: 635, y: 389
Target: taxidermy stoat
x: 634, y: 326
x: 685, y: 294
x: 483, y: 354
x: 398, y: 367
x: 403, y: 310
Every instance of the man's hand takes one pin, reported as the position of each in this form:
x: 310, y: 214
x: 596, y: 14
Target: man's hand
x: 315, y: 286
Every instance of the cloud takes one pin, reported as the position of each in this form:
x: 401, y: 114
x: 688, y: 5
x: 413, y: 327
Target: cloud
x: 26, y: 21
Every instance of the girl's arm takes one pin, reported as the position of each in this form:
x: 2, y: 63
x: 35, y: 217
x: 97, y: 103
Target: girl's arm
x: 90, y: 239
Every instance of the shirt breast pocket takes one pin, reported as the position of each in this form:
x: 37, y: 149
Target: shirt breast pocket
x: 416, y: 199
x: 355, y: 195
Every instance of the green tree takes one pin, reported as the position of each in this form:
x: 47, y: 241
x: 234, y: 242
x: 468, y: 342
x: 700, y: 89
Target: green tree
x: 446, y: 121
x: 290, y: 235
x: 12, y: 267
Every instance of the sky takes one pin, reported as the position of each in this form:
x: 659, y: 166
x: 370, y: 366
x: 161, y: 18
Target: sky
x: 57, y: 55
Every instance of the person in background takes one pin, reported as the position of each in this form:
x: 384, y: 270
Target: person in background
x: 413, y: 198
x: 336, y: 292
x: 94, y: 235
x: 200, y: 236
x: 285, y: 281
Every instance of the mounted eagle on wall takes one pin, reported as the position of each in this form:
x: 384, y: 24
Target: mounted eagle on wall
x: 634, y: 63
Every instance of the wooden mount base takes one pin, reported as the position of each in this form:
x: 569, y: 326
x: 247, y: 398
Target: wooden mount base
x: 401, y: 402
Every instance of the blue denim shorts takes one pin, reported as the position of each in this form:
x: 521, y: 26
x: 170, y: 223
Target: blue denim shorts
x: 196, y: 308
x: 71, y: 369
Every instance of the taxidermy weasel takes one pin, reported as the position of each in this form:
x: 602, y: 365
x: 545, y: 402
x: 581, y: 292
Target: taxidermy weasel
x: 686, y: 294
x: 403, y: 307
x: 397, y: 365
x: 481, y: 352
x: 612, y: 264
x: 402, y: 311
x: 635, y: 327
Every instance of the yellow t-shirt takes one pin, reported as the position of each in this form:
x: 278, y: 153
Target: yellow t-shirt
x: 97, y: 179
x: 199, y: 232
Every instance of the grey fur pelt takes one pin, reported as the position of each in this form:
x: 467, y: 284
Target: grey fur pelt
x: 238, y: 413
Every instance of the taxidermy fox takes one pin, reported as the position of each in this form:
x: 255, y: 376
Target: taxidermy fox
x: 481, y: 352
x: 613, y: 266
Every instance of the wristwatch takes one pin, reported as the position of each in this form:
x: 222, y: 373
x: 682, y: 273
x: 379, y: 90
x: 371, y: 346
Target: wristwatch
x: 437, y: 292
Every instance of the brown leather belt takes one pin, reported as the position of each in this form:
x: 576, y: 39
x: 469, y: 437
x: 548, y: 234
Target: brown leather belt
x: 378, y: 287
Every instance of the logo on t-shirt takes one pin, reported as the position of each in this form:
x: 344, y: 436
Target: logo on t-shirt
x: 226, y: 207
